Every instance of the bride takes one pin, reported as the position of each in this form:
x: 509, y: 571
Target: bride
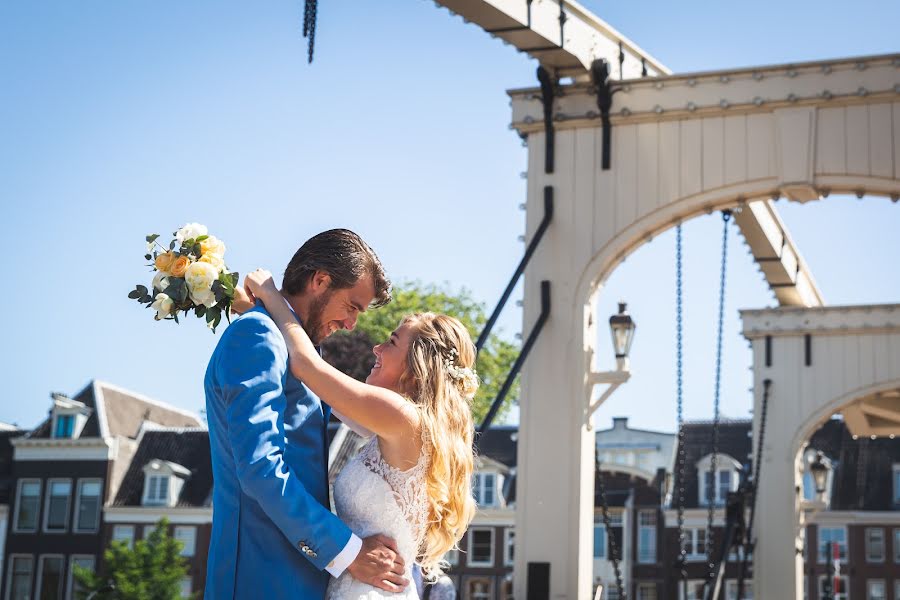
x: 412, y: 481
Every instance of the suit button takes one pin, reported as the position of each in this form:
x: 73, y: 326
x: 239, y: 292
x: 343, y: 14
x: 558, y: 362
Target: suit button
x: 302, y: 545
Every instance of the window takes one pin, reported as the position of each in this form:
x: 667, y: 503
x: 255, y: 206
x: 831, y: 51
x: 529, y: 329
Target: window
x: 646, y: 591
x: 897, y: 589
x: 897, y: 484
x: 481, y: 547
x: 479, y: 589
x: 147, y: 530
x: 647, y: 536
x: 731, y: 589
x: 56, y: 514
x: 599, y: 537
x: 695, y: 588
x: 725, y: 483
x: 875, y: 544
x: 829, y: 536
x: 484, y: 488
x: 506, y: 590
x: 186, y: 584
x: 897, y: 548
x: 28, y: 503
x: 123, y: 533
x: 452, y: 557
x: 876, y: 590
x: 695, y: 543
x: 21, y: 569
x: 65, y: 424
x: 50, y: 577
x: 724, y: 486
x: 840, y: 593
x: 83, y: 561
x: 87, y: 507
x: 156, y: 492
x: 187, y: 536
x: 509, y: 547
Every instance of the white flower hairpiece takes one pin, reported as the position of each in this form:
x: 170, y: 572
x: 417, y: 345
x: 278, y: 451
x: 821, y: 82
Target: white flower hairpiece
x: 465, y: 378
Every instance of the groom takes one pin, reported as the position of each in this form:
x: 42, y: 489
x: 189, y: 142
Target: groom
x: 273, y: 535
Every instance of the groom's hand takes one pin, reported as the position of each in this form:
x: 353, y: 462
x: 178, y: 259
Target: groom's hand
x: 379, y: 564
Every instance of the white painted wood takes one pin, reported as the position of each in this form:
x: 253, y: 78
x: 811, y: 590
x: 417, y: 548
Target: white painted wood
x: 713, y: 170
x: 795, y: 144
x: 760, y: 142
x: 669, y: 166
x: 626, y: 170
x: 647, y: 162
x: 857, y: 139
x: 585, y: 170
x: 896, y: 123
x: 831, y: 145
x: 735, y: 149
x: 691, y: 153
x: 881, y: 151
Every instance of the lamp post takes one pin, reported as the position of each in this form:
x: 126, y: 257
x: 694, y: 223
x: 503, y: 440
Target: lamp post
x: 819, y: 471
x: 621, y: 328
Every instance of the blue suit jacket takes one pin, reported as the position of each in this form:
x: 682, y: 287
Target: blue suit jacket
x: 272, y: 531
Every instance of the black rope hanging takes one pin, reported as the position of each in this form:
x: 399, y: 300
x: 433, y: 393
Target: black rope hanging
x: 309, y: 24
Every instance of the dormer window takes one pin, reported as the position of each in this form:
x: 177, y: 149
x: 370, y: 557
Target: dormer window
x: 163, y: 481
x: 68, y: 417
x: 484, y: 487
x: 896, y: 479
x: 714, y: 486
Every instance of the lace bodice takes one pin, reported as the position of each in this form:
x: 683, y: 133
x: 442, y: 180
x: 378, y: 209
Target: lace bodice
x: 372, y: 497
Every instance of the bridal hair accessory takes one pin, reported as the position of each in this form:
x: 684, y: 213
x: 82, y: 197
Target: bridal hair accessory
x: 465, y: 378
x: 190, y: 275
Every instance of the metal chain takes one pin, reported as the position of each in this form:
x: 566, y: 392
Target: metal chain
x: 310, y: 9
x: 726, y: 216
x: 613, y: 546
x: 749, y: 542
x: 679, y: 399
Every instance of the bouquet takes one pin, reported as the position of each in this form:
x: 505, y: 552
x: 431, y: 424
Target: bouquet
x: 190, y: 276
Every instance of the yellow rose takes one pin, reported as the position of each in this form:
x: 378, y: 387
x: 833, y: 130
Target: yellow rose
x: 164, y: 262
x: 215, y: 260
x: 180, y: 265
x: 212, y: 245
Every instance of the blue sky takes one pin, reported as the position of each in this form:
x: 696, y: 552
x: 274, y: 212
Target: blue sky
x: 122, y: 119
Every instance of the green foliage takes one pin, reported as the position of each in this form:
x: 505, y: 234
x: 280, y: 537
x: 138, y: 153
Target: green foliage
x: 152, y: 570
x: 494, y: 360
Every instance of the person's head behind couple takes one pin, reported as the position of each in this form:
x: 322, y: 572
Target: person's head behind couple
x: 429, y: 359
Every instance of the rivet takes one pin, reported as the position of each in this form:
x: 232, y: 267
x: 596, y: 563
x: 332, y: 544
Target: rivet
x: 523, y: 175
x: 528, y: 120
x: 792, y: 73
x: 792, y: 97
x: 691, y: 82
x: 522, y: 206
x: 658, y: 109
x: 757, y: 76
x: 862, y: 91
x: 724, y: 79
x: 723, y: 103
x: 855, y: 437
x: 826, y: 94
x: 511, y: 126
x: 826, y: 69
x: 691, y: 106
x: 591, y: 114
x: 758, y: 101
x: 626, y: 88
x: 658, y: 85
x: 895, y: 197
x: 860, y: 193
x: 521, y: 238
x: 826, y: 192
x: 559, y: 117
x: 625, y: 112
x: 860, y: 66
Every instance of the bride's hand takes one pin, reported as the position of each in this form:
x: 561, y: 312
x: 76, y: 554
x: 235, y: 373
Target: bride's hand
x: 259, y: 284
x: 242, y: 301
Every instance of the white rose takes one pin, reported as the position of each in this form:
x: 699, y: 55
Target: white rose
x: 199, y: 278
x: 191, y: 231
x: 212, y: 245
x: 160, y: 281
x: 163, y: 306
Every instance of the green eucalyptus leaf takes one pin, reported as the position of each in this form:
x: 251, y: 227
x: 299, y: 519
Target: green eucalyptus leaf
x: 152, y: 238
x: 148, y: 257
x: 200, y: 238
x: 134, y: 294
x: 201, y: 310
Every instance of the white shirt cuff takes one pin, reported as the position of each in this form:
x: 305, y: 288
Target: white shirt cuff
x: 345, y: 557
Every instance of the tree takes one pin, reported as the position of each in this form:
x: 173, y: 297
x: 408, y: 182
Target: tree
x: 152, y: 570
x: 351, y: 352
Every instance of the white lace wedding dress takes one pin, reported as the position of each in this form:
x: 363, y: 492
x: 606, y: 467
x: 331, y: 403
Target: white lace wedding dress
x: 373, y: 497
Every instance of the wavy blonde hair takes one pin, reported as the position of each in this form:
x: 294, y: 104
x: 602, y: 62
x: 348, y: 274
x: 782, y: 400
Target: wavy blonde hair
x: 445, y: 406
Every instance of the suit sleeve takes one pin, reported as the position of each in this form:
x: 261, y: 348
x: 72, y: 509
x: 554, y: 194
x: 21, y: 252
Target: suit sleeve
x: 251, y: 372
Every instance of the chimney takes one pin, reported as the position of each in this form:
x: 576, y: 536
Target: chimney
x: 620, y: 422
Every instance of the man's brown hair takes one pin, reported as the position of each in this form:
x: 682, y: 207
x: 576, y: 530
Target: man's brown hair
x: 344, y: 256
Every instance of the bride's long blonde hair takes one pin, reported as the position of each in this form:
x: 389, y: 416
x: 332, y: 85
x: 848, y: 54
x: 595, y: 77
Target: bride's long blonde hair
x: 445, y: 404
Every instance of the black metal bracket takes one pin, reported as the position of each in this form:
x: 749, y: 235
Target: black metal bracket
x: 529, y: 251
x: 548, y: 91
x: 605, y: 89
x: 520, y: 360
x: 562, y: 23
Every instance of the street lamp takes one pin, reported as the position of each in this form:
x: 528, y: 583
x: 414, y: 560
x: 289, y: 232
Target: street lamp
x: 819, y: 471
x: 621, y: 328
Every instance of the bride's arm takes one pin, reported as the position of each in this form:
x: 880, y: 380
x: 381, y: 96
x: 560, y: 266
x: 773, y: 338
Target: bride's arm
x: 359, y: 429
x: 381, y: 411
